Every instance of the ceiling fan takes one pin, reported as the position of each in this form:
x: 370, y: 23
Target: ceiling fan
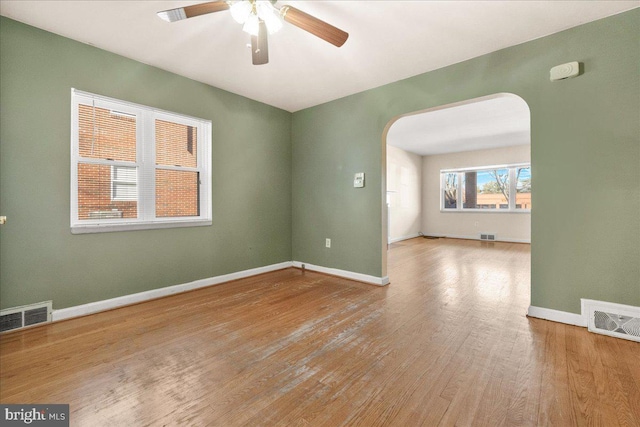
x: 259, y: 18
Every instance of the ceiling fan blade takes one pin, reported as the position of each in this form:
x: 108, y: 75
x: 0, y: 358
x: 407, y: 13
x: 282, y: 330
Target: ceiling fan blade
x: 259, y: 45
x: 180, y: 13
x: 313, y: 25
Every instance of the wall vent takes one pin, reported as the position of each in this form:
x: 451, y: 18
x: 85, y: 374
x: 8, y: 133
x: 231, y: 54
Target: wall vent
x: 616, y: 320
x: 490, y: 237
x: 26, y: 315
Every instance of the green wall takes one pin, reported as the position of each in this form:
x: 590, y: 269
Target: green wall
x: 585, y: 158
x: 282, y: 183
x: 40, y: 259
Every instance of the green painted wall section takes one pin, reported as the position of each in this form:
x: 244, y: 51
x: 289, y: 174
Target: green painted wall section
x: 283, y: 183
x: 585, y: 161
x: 40, y: 259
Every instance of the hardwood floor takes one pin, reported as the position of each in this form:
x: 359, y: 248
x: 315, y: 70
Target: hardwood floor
x: 447, y: 343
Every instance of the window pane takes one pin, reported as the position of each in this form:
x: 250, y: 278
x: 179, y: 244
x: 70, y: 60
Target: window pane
x: 106, y: 134
x: 177, y: 193
x: 470, y: 190
x: 176, y: 144
x: 124, y: 174
x: 96, y: 195
x: 523, y: 188
x: 124, y: 183
x: 491, y: 189
x: 450, y: 184
x: 124, y: 191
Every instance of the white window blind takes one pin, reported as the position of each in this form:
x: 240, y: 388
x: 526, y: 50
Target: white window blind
x: 135, y: 167
x: 124, y: 184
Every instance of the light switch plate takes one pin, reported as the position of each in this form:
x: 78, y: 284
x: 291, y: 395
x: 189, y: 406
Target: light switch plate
x: 358, y: 181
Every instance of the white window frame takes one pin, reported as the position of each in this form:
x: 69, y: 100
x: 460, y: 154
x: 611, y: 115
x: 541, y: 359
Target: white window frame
x: 512, y: 167
x: 145, y: 164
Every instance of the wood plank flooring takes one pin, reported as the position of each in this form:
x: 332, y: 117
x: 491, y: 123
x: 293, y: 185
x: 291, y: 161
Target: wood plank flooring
x: 447, y: 343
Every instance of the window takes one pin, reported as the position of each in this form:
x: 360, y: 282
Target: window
x: 134, y: 167
x: 485, y: 189
x: 523, y: 188
x: 450, y: 190
x: 492, y: 188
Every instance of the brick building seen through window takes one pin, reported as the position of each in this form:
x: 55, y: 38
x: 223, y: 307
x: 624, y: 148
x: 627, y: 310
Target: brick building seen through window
x: 111, y: 192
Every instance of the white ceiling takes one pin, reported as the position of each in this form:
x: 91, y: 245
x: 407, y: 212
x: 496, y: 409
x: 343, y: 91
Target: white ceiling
x: 492, y: 122
x: 388, y: 40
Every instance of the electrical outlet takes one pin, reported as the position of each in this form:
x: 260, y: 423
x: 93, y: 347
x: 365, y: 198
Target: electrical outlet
x: 475, y: 223
x: 3, y: 219
x: 327, y: 243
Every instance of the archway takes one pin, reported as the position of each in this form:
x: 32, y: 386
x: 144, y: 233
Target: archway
x: 496, y: 128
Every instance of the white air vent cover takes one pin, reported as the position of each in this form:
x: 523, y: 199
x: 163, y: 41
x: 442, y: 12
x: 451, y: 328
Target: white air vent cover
x: 616, y: 320
x: 26, y: 315
x: 491, y: 237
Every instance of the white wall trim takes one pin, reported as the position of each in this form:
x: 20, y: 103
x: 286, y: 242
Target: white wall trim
x: 373, y: 280
x: 475, y: 237
x: 557, y: 316
x: 95, y: 307
x: 109, y: 304
x: 399, y: 239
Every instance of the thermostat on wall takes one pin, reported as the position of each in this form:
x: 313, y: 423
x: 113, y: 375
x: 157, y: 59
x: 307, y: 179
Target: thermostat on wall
x: 358, y: 181
x: 564, y: 71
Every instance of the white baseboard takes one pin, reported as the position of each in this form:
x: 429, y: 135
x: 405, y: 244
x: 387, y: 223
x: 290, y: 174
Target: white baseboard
x: 95, y: 307
x: 379, y: 281
x: 475, y: 237
x: 557, y: 316
x: 399, y: 239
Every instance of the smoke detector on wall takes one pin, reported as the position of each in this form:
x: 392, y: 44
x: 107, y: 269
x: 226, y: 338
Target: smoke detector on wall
x: 564, y: 71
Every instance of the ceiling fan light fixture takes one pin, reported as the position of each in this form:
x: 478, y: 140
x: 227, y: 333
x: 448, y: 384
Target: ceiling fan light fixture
x: 252, y: 25
x: 240, y: 10
x: 270, y: 15
x: 249, y: 12
x: 272, y: 20
x: 260, y: 18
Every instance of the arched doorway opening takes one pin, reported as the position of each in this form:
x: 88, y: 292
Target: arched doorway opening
x: 459, y: 171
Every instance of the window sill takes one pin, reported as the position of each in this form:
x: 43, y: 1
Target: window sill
x: 106, y: 228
